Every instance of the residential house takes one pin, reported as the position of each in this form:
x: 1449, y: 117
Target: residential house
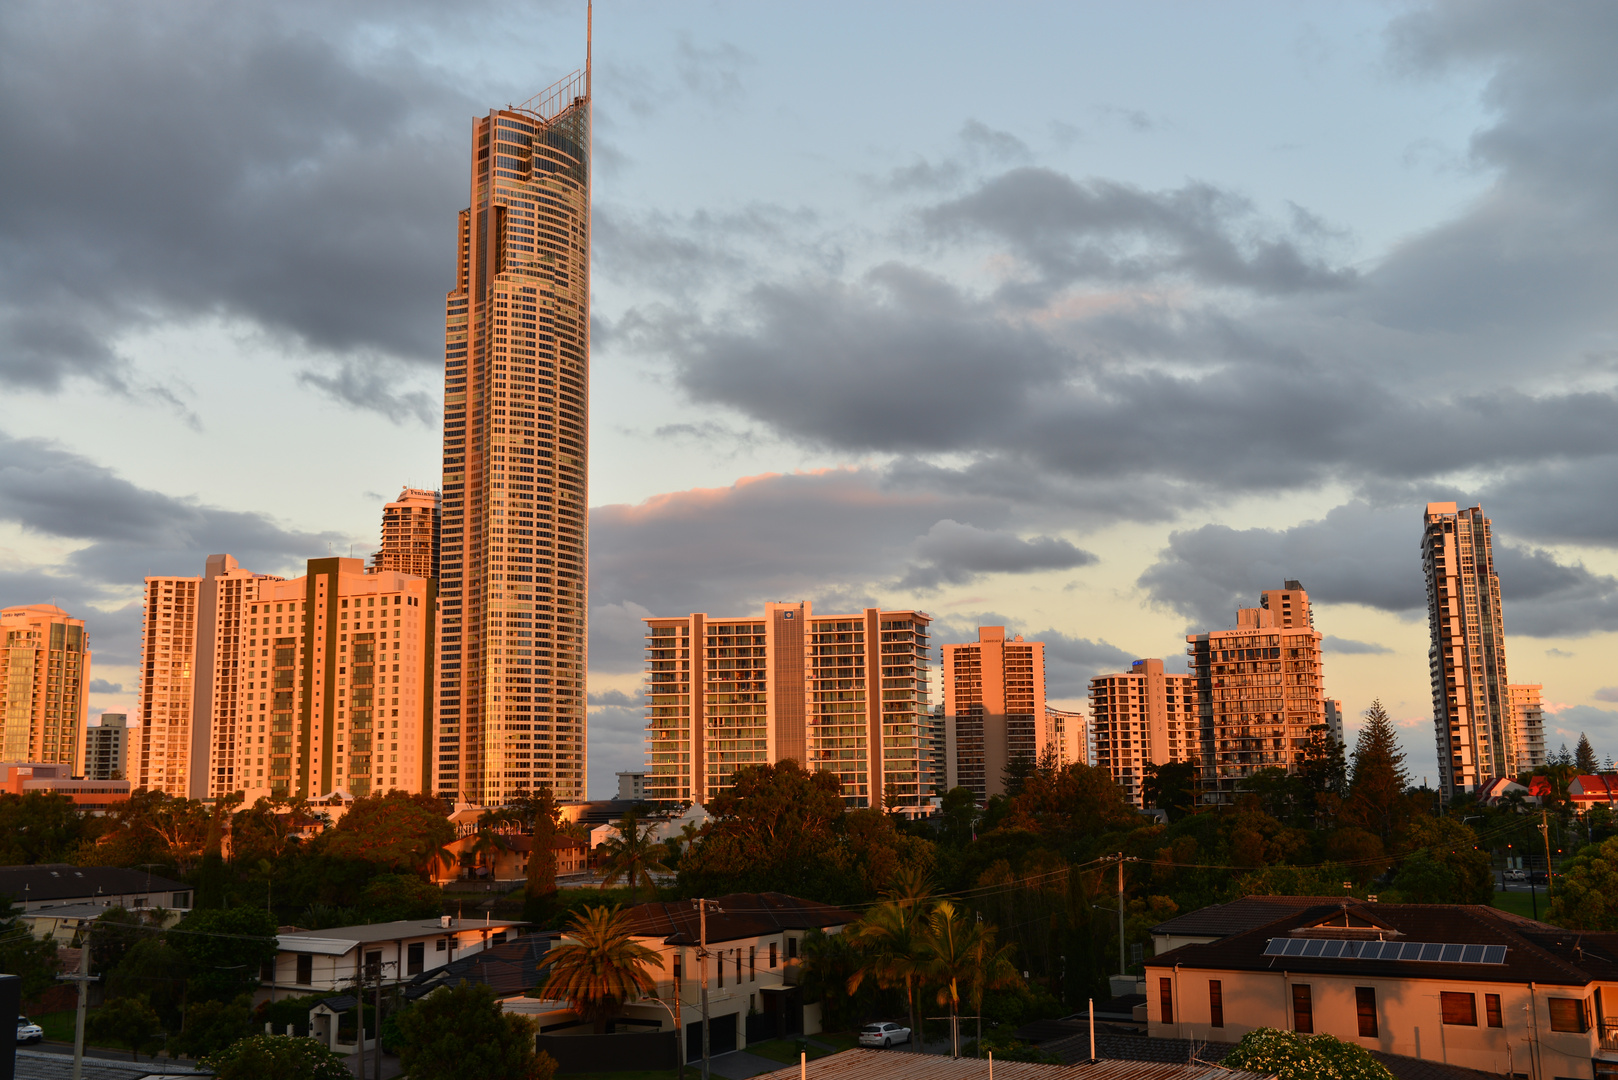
x: 755, y: 947
x: 508, y: 859
x: 338, y: 959
x: 1465, y: 985
x: 1219, y: 921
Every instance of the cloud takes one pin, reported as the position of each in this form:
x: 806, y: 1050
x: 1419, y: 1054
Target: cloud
x: 1066, y: 231
x: 1560, y: 653
x: 102, y: 686
x: 319, y: 212
x: 614, y: 697
x: 616, y: 744
x: 1333, y: 644
x: 956, y: 554
x: 1606, y: 693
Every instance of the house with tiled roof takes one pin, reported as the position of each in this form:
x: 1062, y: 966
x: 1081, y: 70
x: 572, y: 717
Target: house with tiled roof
x: 1461, y: 984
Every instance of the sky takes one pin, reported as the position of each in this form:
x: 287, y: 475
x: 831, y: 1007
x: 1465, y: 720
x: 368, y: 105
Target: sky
x: 1087, y: 319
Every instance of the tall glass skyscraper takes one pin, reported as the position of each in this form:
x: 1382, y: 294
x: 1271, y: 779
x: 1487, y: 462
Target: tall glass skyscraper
x: 514, y: 569
x: 1474, y: 723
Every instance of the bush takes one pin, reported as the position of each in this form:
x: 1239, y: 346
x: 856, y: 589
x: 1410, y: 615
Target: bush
x: 1290, y: 1056
x: 460, y: 1031
x: 281, y: 1056
x: 211, y: 1026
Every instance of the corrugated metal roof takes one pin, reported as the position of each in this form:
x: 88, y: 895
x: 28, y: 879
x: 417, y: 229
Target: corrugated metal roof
x: 904, y: 1065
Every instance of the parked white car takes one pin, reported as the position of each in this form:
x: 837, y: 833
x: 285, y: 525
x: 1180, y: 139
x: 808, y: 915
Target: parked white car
x: 28, y: 1031
x: 883, y: 1034
x: 1516, y: 875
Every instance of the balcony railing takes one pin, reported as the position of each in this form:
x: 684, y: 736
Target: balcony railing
x: 1609, y: 1034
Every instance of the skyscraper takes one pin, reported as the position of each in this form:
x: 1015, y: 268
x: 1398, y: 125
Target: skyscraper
x: 1474, y: 726
x: 44, y: 685
x: 1143, y: 717
x: 994, y: 709
x: 225, y: 676
x: 1259, y: 690
x: 166, y: 701
x: 514, y: 566
x: 837, y: 693
x: 1527, y: 705
x: 410, y: 534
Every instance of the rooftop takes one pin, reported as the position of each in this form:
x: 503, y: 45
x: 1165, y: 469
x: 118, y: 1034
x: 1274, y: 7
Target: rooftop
x: 63, y: 881
x: 1247, y: 913
x: 340, y: 939
x: 509, y: 969
x: 1526, y: 951
x: 888, y: 1065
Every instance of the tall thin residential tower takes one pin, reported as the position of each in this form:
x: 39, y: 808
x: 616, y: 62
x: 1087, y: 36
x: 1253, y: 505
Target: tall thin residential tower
x: 514, y: 569
x: 1473, y: 720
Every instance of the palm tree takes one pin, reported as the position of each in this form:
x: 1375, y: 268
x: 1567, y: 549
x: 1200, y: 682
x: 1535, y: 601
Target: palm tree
x: 632, y: 855
x: 890, y: 936
x: 488, y: 843
x: 599, y: 965
x: 962, y: 957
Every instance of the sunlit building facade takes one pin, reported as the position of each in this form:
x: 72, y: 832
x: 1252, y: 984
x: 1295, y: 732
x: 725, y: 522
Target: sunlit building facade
x: 1259, y: 690
x: 994, y: 709
x: 44, y: 685
x: 1528, y: 713
x: 845, y: 694
x: 514, y: 566
x: 410, y: 534
x: 160, y: 757
x: 1143, y: 717
x: 1069, y: 735
x: 1474, y: 723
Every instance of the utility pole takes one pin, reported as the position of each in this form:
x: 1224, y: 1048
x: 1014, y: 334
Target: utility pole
x: 702, y: 960
x: 1545, y: 828
x: 378, y: 1000
x: 679, y: 1032
x: 1123, y: 968
x: 84, y: 979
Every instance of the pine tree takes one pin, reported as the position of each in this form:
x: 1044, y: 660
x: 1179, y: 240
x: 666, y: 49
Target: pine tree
x: 1584, y: 757
x: 1376, y: 788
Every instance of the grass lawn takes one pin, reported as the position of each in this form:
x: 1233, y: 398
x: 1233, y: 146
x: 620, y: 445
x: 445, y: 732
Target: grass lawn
x: 1521, y: 903
x: 786, y: 1050
x: 58, y: 1025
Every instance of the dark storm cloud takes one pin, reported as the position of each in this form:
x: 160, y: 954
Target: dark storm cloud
x: 839, y: 538
x: 1368, y: 555
x: 174, y: 161
x: 102, y: 686
x: 1070, y: 231
x: 1349, y: 647
x: 955, y: 554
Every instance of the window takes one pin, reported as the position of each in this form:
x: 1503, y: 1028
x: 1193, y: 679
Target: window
x: 792, y: 948
x: 306, y: 970
x: 772, y: 954
x: 373, y: 965
x: 1460, y: 1009
x: 721, y: 966
x: 1491, y: 1009
x: 752, y: 963
x: 1216, y: 1003
x: 415, y: 957
x: 1165, y: 995
x: 1303, y: 1009
x: 1365, y: 1006
x: 1567, y: 1014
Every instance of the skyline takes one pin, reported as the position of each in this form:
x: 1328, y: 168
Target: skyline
x: 1148, y: 311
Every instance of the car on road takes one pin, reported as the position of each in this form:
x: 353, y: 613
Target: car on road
x: 883, y: 1034
x: 1516, y: 875
x: 28, y: 1031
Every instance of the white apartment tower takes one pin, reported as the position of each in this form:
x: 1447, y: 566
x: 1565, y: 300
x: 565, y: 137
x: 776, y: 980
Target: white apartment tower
x: 1474, y: 724
x: 1144, y: 716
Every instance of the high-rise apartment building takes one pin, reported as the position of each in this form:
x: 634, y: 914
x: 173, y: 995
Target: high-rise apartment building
x: 224, y: 664
x: 514, y: 570
x: 837, y: 693
x: 1069, y: 736
x: 410, y: 534
x: 1528, y: 712
x: 44, y: 685
x: 1143, y: 717
x: 106, y: 746
x: 1259, y: 690
x: 1474, y: 725
x: 994, y: 709
x: 338, y: 685
x: 166, y: 700
x: 1334, y: 718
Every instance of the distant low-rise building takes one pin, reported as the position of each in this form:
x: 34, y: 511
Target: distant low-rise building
x: 632, y: 786
x: 21, y: 777
x: 55, y: 885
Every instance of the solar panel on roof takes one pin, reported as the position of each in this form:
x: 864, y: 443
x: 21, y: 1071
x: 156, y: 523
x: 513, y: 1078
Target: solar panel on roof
x: 1426, y: 951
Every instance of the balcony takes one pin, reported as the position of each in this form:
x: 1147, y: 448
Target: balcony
x: 1608, y: 1035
